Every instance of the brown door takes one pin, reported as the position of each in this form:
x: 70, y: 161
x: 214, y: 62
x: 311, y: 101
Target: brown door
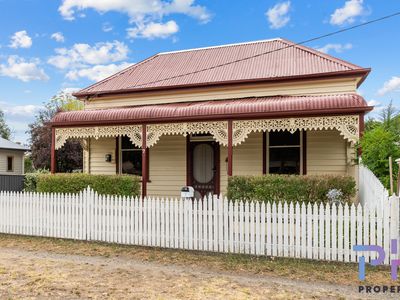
x: 204, y: 172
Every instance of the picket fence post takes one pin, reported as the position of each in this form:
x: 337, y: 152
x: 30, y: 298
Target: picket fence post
x: 394, y: 223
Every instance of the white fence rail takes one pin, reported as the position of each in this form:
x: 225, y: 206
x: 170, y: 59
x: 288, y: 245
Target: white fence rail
x: 372, y: 193
x: 322, y: 232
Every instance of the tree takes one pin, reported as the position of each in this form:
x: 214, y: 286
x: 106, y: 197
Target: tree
x: 378, y: 145
x: 380, y: 141
x: 5, y: 131
x: 69, y: 157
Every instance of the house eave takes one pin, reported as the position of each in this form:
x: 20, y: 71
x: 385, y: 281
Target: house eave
x: 363, y: 73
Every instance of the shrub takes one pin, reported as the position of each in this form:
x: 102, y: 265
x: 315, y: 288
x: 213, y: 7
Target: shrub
x: 308, y: 188
x: 122, y: 185
x: 377, y: 145
x: 30, y: 182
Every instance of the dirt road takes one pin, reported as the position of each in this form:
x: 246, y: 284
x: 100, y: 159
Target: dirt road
x: 44, y: 274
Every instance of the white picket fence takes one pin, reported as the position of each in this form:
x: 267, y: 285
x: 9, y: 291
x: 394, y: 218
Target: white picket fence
x: 322, y: 232
x: 371, y: 190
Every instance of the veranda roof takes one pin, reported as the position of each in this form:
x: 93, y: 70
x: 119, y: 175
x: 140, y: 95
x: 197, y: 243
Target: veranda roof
x: 255, y: 107
x: 258, y: 61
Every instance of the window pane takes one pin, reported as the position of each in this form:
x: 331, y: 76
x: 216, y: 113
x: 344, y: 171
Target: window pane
x: 126, y: 144
x: 284, y: 138
x: 9, y: 163
x: 284, y: 160
x: 132, y: 162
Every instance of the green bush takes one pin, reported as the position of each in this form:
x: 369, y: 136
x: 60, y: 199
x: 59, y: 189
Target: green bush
x: 377, y: 146
x: 122, y: 185
x: 308, y: 188
x: 30, y: 182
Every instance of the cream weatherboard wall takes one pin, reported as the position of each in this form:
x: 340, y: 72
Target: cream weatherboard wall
x: 167, y: 170
x: 326, y: 153
x: 247, y: 159
x: 310, y: 87
x: 98, y: 149
x: 18, y: 161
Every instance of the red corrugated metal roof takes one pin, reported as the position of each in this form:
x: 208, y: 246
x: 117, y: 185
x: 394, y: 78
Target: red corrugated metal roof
x: 221, y: 109
x: 222, y: 64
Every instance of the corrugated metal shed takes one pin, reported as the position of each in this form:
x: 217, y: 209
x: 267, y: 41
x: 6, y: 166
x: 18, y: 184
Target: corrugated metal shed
x: 323, y: 104
x: 253, y: 61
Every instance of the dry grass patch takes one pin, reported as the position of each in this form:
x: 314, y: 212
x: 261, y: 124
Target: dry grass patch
x: 308, y: 270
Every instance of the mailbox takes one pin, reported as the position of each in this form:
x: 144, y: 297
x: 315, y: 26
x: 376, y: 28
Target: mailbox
x: 108, y: 157
x: 187, y: 192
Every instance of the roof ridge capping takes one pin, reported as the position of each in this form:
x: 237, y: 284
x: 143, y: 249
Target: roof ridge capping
x: 222, y: 46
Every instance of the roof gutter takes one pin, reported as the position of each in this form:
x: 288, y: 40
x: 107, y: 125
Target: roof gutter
x: 363, y: 72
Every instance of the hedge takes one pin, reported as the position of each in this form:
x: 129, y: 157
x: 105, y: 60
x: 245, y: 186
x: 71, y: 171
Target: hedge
x: 122, y: 185
x: 307, y: 188
x: 30, y: 182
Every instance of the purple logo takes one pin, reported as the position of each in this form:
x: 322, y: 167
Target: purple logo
x: 379, y: 260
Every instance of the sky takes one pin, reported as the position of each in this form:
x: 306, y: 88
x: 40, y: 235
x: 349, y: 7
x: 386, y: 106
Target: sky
x: 48, y: 46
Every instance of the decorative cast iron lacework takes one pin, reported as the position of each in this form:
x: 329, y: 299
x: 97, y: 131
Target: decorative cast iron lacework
x: 348, y: 126
x: 219, y: 130
x: 134, y: 132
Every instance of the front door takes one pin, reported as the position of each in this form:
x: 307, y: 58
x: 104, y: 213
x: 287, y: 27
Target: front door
x: 204, y: 173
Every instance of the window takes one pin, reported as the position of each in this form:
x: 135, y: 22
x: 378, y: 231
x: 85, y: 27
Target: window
x: 284, y: 152
x: 130, y: 158
x: 10, y: 164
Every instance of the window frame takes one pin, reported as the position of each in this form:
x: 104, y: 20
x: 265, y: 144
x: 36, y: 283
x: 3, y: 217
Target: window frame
x: 120, y: 156
x: 12, y: 163
x: 301, y: 146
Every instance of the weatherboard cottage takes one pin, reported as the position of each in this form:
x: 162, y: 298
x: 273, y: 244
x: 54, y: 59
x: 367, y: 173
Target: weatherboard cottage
x: 195, y: 117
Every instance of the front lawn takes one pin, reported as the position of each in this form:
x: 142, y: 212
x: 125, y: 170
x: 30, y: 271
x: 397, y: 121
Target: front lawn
x: 308, y: 270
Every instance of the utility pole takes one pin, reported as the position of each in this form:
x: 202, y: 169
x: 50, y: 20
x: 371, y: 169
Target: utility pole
x: 398, y: 177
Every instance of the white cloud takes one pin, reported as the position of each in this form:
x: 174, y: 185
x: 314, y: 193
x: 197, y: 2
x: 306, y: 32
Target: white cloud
x: 81, y: 55
x: 58, y: 37
x: 137, y: 10
x: 391, y: 85
x: 17, y: 67
x: 107, y: 27
x: 22, y: 110
x: 70, y: 90
x: 154, y: 30
x: 96, y: 73
x: 278, y: 15
x: 348, y: 13
x: 373, y: 103
x: 21, y: 39
x: 338, y: 48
